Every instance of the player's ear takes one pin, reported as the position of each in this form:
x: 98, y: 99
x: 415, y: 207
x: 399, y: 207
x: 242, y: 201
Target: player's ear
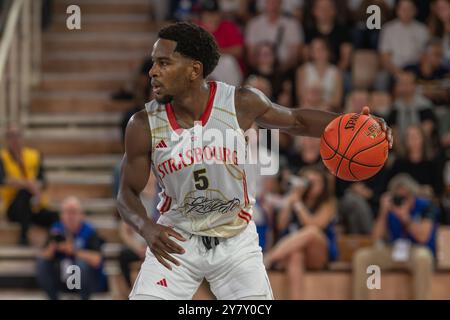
x: 196, y: 70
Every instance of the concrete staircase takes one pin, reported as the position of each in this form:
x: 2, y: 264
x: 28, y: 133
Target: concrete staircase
x: 72, y: 119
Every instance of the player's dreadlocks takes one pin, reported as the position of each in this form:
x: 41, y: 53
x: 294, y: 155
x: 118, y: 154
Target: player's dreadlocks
x: 193, y: 42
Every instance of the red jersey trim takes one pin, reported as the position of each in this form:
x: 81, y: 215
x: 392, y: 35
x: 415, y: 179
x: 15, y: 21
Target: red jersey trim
x: 205, y: 115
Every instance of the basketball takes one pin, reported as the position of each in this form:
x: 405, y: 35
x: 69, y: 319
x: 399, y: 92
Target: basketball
x: 354, y: 147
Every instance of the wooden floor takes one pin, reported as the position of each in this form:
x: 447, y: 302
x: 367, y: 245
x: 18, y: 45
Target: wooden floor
x: 333, y: 285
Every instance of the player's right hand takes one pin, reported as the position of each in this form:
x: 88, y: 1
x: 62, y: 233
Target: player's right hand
x: 160, y: 244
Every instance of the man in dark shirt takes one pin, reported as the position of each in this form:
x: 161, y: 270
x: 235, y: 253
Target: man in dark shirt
x: 409, y: 224
x: 73, y: 244
x: 338, y: 36
x: 430, y: 66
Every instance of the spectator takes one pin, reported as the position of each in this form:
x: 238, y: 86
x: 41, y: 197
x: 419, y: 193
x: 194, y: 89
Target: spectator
x: 133, y: 250
x: 380, y: 103
x: 337, y: 35
x: 430, y: 66
x: 260, y: 83
x: 159, y: 10
x: 225, y: 32
x: 22, y: 185
x: 440, y: 26
x: 430, y: 72
x: 358, y: 200
x: 410, y: 222
x: 138, y: 86
x: 356, y: 100
x: 284, y: 33
x: 73, y: 241
x: 291, y: 8
x: 235, y: 10
x: 313, y: 98
x: 182, y: 10
x: 308, y: 219
x: 343, y: 12
x: 410, y: 107
x: 267, y: 66
x: 227, y: 70
x: 306, y: 152
x: 418, y: 160
x: 402, y: 42
x: 364, y: 38
x: 320, y: 72
x: 135, y: 247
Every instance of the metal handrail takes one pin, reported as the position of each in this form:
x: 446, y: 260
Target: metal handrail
x: 20, y: 54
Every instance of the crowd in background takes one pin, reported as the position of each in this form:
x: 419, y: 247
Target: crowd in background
x: 320, y: 54
x: 302, y: 54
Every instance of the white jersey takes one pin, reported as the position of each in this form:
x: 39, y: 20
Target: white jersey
x: 204, y: 183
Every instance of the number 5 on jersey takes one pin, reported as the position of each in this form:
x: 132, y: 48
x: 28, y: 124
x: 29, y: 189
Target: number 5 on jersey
x: 201, y: 181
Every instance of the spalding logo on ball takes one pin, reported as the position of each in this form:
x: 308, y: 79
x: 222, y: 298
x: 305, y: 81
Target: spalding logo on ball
x: 354, y: 147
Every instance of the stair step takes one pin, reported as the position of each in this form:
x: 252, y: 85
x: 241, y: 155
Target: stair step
x: 95, y: 41
x: 70, y: 134
x: 17, y: 252
x: 17, y: 268
x: 77, y: 102
x: 58, y: 192
x: 96, y: 206
x: 77, y: 177
x: 107, y: 161
x: 60, y: 147
x: 74, y: 119
x: 74, y: 141
x: 93, y: 56
x: 83, y: 81
x: 91, y: 22
x: 92, y: 61
x: 105, y: 7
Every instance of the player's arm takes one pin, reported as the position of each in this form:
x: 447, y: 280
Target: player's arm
x: 135, y: 171
x: 253, y: 105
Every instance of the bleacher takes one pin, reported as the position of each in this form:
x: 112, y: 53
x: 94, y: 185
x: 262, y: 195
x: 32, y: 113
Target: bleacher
x: 74, y: 122
x: 17, y: 270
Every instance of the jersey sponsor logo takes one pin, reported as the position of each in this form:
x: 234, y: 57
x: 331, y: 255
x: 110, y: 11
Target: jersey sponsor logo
x: 196, y: 155
x: 202, y: 205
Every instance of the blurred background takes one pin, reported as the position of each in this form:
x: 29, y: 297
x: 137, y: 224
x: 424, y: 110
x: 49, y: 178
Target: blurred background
x: 66, y: 96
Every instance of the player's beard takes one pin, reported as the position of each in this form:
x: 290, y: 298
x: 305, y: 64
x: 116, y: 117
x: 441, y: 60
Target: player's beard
x: 164, y: 99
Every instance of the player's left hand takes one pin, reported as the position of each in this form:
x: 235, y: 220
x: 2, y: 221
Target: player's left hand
x: 384, y: 126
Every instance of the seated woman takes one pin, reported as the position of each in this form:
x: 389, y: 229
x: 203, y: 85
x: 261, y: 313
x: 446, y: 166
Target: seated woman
x: 308, y: 220
x: 320, y: 72
x: 416, y: 156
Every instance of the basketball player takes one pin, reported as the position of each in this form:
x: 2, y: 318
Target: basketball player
x: 205, y: 229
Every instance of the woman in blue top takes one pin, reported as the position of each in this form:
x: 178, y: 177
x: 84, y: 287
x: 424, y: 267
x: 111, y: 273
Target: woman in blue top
x: 307, y: 220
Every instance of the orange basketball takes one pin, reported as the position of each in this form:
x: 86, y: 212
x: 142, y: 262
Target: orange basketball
x: 354, y: 147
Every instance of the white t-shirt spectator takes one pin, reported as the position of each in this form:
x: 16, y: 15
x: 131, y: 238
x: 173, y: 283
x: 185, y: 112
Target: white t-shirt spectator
x: 287, y: 6
x: 288, y: 30
x: 406, y: 43
x: 446, y: 44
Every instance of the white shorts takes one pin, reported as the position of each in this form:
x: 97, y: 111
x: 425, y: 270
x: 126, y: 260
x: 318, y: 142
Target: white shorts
x: 234, y: 269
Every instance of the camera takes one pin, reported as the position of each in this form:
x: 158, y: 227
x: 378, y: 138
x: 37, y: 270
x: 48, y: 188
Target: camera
x: 58, y: 237
x: 398, y: 200
x: 295, y: 182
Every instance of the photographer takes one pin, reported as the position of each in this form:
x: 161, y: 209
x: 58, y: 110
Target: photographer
x: 72, y: 241
x: 307, y: 218
x: 410, y: 224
